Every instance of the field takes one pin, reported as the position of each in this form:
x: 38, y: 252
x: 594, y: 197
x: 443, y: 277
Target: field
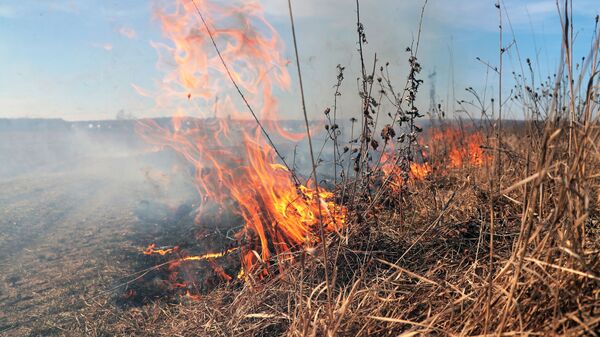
x: 378, y: 213
x: 73, y: 223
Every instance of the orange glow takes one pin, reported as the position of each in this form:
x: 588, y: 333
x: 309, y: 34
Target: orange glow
x: 461, y: 148
x: 208, y: 256
x: 151, y: 250
x: 449, y: 148
x: 219, y: 271
x: 232, y: 159
x: 192, y: 296
x: 418, y: 172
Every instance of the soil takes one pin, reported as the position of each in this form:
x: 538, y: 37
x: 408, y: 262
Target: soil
x: 68, y: 236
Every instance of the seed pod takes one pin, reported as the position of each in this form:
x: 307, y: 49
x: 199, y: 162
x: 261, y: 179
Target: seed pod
x: 387, y: 133
x: 374, y: 144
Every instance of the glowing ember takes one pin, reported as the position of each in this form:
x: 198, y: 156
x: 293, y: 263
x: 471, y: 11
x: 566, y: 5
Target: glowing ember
x: 192, y: 297
x: 208, y: 256
x: 152, y: 250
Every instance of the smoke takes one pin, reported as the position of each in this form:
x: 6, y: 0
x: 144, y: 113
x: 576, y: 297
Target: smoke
x: 103, y: 151
x: 111, y: 151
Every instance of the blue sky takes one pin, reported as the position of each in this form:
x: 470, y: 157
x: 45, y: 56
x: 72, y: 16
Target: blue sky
x: 78, y: 59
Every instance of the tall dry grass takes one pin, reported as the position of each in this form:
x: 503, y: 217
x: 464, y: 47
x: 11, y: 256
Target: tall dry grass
x: 507, y: 250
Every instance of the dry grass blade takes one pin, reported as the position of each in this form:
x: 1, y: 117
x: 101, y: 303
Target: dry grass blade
x: 569, y: 270
x: 408, y: 272
x: 401, y: 321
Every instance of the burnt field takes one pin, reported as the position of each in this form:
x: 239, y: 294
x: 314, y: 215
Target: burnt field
x: 77, y: 209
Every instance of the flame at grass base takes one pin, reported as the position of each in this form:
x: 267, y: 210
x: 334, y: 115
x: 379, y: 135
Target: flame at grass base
x: 449, y: 148
x: 458, y: 148
x: 278, y: 215
x: 233, y: 162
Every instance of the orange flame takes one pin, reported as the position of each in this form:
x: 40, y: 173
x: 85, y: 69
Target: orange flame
x: 463, y: 149
x: 208, y: 256
x: 417, y: 172
x: 151, y: 250
x: 231, y: 157
x: 420, y: 171
x: 192, y: 297
x: 450, y: 148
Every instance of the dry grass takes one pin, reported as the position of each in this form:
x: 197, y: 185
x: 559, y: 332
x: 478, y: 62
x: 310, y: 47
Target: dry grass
x: 511, y: 249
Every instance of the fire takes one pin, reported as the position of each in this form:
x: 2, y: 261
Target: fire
x: 420, y: 171
x: 208, y: 256
x: 151, y: 250
x: 391, y: 169
x: 470, y: 153
x: 192, y: 297
x: 462, y: 148
x: 450, y: 148
x: 232, y: 159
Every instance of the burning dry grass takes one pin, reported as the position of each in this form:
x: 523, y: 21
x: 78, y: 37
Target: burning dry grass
x: 410, y: 270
